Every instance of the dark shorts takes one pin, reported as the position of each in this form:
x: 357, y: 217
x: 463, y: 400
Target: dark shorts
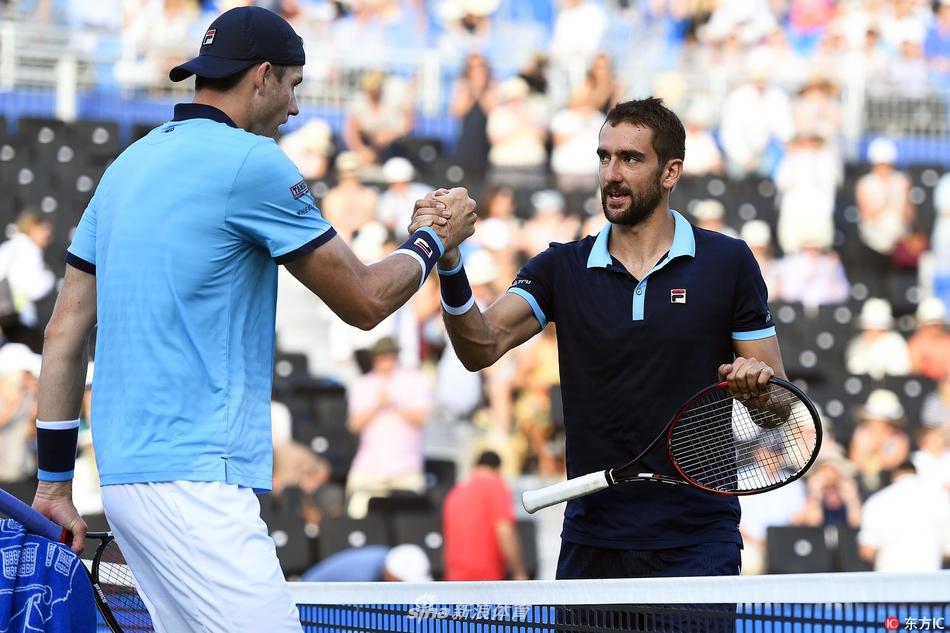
x: 703, y: 559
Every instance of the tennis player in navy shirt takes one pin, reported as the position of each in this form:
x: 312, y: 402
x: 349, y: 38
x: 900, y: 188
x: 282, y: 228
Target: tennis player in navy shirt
x: 175, y: 259
x: 648, y: 312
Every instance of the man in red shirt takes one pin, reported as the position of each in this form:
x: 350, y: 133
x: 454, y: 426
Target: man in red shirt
x: 478, y: 523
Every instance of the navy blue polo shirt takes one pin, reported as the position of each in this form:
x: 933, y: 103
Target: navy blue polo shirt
x: 631, y: 352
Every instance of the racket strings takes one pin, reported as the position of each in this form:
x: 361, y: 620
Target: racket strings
x: 723, y: 444
x: 118, y: 586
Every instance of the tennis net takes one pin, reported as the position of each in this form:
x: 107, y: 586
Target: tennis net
x: 812, y: 603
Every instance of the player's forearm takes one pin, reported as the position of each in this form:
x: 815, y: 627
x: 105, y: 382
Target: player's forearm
x: 63, y: 377
x: 472, y: 338
x: 385, y: 287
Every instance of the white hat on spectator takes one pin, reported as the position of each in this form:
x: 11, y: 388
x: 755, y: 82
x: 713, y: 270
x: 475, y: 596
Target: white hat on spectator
x: 348, y: 162
x: 815, y: 235
x: 19, y: 357
x: 882, y: 151
x: 931, y: 310
x: 398, y: 169
x: 514, y: 88
x: 756, y: 233
x: 408, y: 563
x: 876, y: 315
x: 832, y: 454
x: 547, y: 201
x: 368, y: 243
x: 709, y: 209
x: 494, y: 234
x: 882, y: 404
x: 480, y: 268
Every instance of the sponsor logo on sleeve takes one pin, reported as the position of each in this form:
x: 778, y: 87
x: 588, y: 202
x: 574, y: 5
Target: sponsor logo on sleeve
x: 299, y: 190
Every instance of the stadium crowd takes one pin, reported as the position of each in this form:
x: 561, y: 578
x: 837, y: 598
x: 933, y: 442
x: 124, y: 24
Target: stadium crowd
x: 853, y: 238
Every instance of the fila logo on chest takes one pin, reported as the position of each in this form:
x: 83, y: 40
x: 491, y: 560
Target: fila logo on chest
x: 678, y: 295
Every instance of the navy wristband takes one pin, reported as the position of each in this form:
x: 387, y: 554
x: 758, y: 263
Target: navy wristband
x: 426, y: 248
x: 457, y: 296
x: 56, y: 449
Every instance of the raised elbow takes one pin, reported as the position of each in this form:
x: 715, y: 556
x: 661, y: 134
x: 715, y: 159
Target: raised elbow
x: 368, y: 315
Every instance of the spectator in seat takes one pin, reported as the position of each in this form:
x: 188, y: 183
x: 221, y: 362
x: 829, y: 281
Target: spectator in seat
x: 880, y: 442
x: 473, y: 98
x: 574, y: 133
x: 394, y: 209
x: 549, y: 224
x: 19, y: 371
x: 904, y: 528
x: 878, y: 350
x: 478, y: 524
x: 702, y: 152
x: 376, y: 120
x: 604, y: 89
x: 373, y: 563
x: 833, y: 497
x: 758, y: 235
x: 310, y: 148
x: 935, y: 411
x: 516, y: 130
x: 756, y: 117
x: 937, y: 43
x: 930, y: 343
x: 885, y: 212
x: 349, y: 205
x: 814, y: 275
x: 806, y: 179
x: 710, y: 215
x: 388, y: 408
x: 23, y: 267
x: 932, y: 458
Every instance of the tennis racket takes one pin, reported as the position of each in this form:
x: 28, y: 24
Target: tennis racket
x: 719, y: 444
x: 114, y: 589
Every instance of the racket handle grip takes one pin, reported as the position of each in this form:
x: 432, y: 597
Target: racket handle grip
x: 534, y: 500
x: 30, y: 519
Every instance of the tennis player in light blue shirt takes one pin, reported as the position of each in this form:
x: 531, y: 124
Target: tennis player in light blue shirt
x: 176, y: 260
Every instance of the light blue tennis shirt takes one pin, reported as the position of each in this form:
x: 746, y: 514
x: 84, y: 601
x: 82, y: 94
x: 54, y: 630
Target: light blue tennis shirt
x: 184, y: 235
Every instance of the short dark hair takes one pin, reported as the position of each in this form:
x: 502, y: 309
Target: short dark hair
x: 669, y: 136
x: 223, y: 84
x: 490, y: 459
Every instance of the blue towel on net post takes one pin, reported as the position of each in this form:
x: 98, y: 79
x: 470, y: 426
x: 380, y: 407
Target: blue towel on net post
x: 43, y: 585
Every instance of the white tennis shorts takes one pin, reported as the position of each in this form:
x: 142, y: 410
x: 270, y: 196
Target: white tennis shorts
x: 201, y: 556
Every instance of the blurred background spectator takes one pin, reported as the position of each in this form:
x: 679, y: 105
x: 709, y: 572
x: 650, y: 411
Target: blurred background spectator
x: 27, y: 278
x: 388, y: 408
x: 403, y: 563
x: 896, y: 540
x: 878, y: 350
x: 481, y: 542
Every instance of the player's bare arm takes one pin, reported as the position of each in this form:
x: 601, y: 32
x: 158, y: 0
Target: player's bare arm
x: 62, y: 382
x: 365, y: 295
x: 756, y: 361
x: 481, y: 338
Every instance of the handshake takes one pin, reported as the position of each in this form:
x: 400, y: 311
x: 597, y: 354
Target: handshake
x: 451, y: 214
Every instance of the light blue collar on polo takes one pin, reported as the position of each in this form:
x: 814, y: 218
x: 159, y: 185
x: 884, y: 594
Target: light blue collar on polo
x: 684, y: 245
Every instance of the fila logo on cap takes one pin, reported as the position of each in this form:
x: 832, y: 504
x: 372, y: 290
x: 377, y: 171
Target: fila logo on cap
x: 209, y: 37
x: 678, y: 295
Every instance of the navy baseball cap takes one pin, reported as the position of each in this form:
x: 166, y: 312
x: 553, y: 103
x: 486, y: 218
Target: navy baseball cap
x: 240, y: 38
